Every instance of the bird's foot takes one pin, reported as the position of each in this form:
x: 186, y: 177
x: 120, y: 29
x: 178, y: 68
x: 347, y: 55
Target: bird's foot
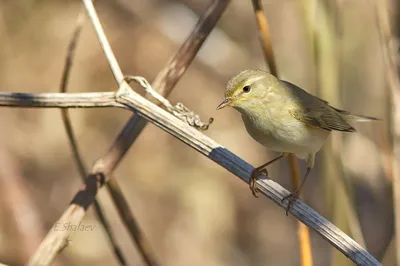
x: 291, y: 198
x: 254, y: 178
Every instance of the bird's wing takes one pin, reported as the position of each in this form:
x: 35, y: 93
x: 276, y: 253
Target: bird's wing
x: 316, y: 112
x: 326, y: 118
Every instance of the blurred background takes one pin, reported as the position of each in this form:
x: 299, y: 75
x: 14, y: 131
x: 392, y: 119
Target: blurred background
x: 193, y: 211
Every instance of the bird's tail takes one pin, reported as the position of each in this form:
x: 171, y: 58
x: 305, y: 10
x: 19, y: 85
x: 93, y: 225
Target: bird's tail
x: 359, y: 118
x: 352, y: 117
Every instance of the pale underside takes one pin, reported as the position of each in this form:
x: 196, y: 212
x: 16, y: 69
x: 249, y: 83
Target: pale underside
x: 292, y: 136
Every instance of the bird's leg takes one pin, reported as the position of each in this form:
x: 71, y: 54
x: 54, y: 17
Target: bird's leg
x: 257, y: 171
x: 293, y: 196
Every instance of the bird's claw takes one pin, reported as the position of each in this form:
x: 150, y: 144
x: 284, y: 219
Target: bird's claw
x: 291, y: 198
x: 253, y: 179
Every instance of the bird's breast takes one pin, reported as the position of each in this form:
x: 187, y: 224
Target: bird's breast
x: 281, y: 132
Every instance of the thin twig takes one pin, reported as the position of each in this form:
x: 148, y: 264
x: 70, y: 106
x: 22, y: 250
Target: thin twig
x: 266, y: 44
x: 105, y: 45
x: 64, y: 87
x: 71, y: 137
x: 265, y: 36
x: 130, y: 221
x: 204, y: 145
x: 303, y: 233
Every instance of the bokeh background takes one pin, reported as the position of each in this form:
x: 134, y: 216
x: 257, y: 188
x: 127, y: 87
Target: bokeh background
x: 193, y: 211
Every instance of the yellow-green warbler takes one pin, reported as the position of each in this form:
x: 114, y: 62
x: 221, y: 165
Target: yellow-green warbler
x: 284, y: 118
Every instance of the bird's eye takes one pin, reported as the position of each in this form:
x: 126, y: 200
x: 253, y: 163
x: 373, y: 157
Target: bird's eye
x: 246, y: 89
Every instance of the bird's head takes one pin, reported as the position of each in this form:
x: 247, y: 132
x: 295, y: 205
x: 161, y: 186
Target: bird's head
x: 247, y: 89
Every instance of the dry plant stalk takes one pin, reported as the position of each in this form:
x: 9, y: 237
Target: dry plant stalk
x: 392, y: 78
x: 266, y: 44
x: 74, y: 144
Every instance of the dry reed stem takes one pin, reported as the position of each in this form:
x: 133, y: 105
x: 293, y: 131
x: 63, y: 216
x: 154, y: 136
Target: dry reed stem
x: 130, y: 221
x: 73, y: 142
x: 266, y: 44
x: 393, y: 82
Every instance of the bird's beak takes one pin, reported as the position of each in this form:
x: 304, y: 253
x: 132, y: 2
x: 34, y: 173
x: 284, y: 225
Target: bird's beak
x: 225, y: 103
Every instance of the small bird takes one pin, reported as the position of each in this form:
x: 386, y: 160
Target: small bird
x: 284, y: 118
